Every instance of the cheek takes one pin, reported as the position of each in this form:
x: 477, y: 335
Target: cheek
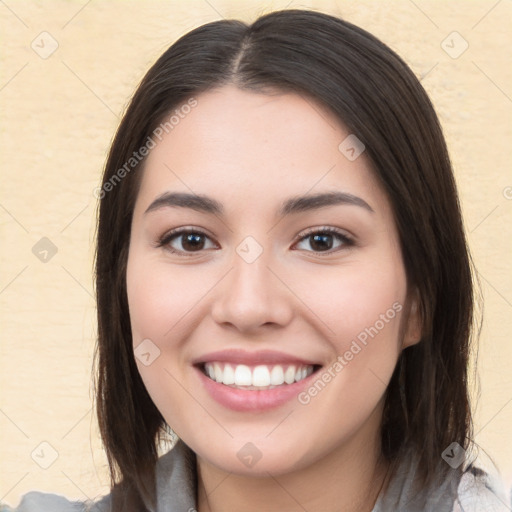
x: 159, y: 298
x: 361, y: 312
x: 158, y: 302
x: 164, y: 306
x: 351, y: 300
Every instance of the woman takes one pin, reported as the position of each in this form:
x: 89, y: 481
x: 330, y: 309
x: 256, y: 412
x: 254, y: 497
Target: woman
x: 283, y: 280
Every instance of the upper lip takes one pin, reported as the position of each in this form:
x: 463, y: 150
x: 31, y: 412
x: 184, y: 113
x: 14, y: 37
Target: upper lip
x: 239, y: 356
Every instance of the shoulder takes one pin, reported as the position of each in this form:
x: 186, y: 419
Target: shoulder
x: 481, y: 488
x: 36, y: 501
x: 175, y: 473
x: 474, y: 486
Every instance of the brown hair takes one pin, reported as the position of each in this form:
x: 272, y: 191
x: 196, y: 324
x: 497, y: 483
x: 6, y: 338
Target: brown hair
x: 377, y: 97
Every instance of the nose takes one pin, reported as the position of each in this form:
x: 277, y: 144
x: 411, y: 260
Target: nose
x: 251, y: 297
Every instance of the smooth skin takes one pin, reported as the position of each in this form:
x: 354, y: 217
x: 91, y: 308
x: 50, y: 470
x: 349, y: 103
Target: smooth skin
x: 250, y: 152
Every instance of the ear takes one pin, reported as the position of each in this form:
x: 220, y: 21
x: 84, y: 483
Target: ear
x: 414, y: 323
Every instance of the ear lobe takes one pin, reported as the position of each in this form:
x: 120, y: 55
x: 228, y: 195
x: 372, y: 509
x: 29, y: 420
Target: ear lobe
x: 414, y: 327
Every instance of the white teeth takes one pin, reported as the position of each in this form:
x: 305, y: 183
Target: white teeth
x: 229, y: 375
x: 277, y: 376
x: 261, y: 376
x: 289, y: 375
x: 243, y: 375
x: 217, y: 371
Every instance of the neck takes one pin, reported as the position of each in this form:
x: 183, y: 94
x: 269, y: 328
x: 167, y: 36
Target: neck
x: 349, y: 478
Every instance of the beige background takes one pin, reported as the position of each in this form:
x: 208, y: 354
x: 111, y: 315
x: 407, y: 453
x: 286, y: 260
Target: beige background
x: 58, y: 116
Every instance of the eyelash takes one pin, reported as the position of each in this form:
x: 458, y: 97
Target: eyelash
x: 167, y: 237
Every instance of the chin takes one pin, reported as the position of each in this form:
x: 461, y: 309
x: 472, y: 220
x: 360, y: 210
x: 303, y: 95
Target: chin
x: 257, y: 458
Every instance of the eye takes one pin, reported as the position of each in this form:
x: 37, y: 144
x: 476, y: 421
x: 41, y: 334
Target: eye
x: 185, y: 240
x: 324, y: 239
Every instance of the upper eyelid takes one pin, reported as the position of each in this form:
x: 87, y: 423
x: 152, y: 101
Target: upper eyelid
x: 308, y: 231
x: 328, y: 229
x: 177, y: 232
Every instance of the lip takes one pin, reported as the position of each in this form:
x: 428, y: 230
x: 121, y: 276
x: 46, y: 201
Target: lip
x: 242, y: 400
x: 238, y: 356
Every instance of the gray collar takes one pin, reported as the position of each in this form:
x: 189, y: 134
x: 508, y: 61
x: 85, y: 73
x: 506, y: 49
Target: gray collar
x: 176, y: 481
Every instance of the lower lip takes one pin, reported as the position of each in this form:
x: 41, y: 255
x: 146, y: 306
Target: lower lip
x: 252, y: 400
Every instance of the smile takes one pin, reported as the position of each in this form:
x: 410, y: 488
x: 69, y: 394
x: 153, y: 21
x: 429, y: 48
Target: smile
x: 258, y: 377
x: 254, y: 381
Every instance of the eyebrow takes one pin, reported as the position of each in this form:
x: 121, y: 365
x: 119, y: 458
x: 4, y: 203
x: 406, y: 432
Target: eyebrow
x: 205, y: 204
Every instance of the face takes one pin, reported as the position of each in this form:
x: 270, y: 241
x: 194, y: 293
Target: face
x: 266, y: 288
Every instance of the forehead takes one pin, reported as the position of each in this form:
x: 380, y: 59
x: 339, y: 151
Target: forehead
x: 263, y: 146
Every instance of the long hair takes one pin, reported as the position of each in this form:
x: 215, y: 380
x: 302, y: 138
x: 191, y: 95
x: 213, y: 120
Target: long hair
x: 377, y: 97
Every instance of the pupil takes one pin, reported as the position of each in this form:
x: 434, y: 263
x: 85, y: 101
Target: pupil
x: 193, y: 241
x: 322, y: 242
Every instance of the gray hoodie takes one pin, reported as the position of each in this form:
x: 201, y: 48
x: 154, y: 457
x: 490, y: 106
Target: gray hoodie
x: 476, y: 491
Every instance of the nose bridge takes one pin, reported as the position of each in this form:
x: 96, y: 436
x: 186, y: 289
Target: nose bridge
x: 251, y: 295
x: 250, y: 274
